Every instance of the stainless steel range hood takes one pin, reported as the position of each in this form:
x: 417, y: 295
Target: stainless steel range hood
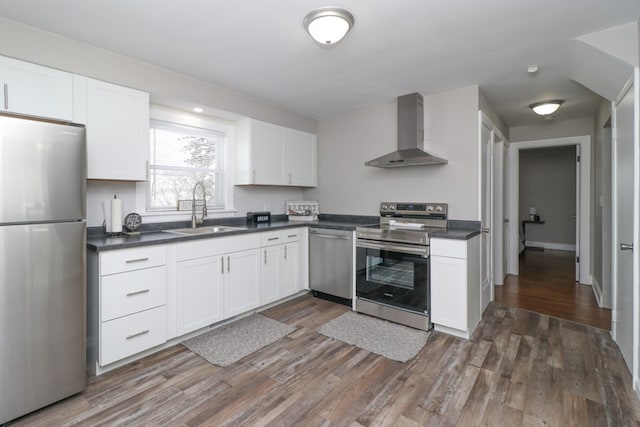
x: 410, y: 137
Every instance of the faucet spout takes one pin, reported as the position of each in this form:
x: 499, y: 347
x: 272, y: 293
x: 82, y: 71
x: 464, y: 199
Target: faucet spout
x: 194, y: 219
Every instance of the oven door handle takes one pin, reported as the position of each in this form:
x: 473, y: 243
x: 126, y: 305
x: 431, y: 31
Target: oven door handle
x: 422, y: 251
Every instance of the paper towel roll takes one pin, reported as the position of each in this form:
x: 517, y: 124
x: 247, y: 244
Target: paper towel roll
x: 116, y: 215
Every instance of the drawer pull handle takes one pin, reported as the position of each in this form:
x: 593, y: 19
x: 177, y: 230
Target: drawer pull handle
x: 228, y: 264
x: 222, y: 265
x: 285, y: 252
x: 143, y: 291
x: 265, y: 257
x: 6, y: 96
x: 146, y: 331
x: 272, y: 238
x: 137, y: 260
x: 292, y: 235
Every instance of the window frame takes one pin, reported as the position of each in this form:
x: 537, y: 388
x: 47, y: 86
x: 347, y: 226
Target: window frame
x: 187, y: 120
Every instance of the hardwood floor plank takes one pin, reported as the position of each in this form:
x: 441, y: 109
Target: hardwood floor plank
x: 546, y: 284
x: 519, y: 368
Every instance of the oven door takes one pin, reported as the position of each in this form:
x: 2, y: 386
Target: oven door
x: 393, y: 274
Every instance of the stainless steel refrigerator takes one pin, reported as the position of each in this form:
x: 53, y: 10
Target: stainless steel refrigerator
x: 42, y: 264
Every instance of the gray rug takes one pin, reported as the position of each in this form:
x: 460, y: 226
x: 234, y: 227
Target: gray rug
x: 393, y: 341
x: 230, y: 343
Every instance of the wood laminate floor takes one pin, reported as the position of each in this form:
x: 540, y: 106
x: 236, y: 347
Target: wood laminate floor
x: 547, y: 285
x: 519, y: 368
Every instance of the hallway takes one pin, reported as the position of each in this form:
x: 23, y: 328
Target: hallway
x: 546, y: 285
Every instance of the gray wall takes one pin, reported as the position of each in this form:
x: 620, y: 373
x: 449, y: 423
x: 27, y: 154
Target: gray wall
x: 548, y: 182
x: 346, y: 186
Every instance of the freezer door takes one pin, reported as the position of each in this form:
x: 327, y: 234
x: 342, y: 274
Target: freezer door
x: 42, y: 315
x: 42, y: 171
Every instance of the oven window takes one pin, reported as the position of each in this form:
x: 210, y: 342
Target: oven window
x: 393, y: 278
x: 390, y: 271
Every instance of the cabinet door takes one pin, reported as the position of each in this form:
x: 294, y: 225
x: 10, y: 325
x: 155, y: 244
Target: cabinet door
x: 36, y: 90
x: 449, y: 292
x: 199, y: 293
x: 267, y: 153
x: 301, y: 158
x: 241, y: 279
x: 117, y: 132
x: 291, y: 282
x: 270, y: 276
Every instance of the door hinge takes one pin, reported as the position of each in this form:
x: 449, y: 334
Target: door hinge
x: 577, y: 259
x: 578, y: 158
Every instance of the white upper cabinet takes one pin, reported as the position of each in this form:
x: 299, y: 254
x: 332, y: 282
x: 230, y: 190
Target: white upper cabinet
x: 269, y: 154
x: 300, y: 158
x: 36, y: 90
x: 117, y: 132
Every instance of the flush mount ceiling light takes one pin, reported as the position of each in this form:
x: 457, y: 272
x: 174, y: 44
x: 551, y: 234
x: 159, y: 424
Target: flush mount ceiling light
x: 328, y: 25
x: 547, y: 107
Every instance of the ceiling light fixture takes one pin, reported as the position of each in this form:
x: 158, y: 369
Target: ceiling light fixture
x: 328, y: 25
x: 198, y: 110
x: 547, y: 107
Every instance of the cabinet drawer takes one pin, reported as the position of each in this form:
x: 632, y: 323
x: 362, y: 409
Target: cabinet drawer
x: 449, y: 248
x: 131, y: 292
x: 131, y: 259
x: 291, y: 234
x: 123, y: 337
x: 270, y: 238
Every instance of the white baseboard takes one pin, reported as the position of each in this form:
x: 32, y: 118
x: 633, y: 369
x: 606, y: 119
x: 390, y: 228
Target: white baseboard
x: 553, y: 246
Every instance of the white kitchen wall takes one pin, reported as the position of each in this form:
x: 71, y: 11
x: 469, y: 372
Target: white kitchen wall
x: 345, y: 142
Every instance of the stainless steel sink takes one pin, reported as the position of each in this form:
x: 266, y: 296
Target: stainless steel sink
x: 204, y: 230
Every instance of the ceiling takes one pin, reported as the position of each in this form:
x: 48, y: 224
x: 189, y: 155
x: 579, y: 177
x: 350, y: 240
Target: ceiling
x: 260, y: 48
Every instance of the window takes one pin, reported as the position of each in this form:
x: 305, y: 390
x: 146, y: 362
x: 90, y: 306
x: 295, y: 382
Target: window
x: 179, y: 157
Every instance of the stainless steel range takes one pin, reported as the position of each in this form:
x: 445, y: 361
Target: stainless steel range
x: 392, y: 263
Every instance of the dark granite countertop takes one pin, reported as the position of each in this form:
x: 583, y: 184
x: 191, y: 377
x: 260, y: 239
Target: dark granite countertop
x: 459, y: 230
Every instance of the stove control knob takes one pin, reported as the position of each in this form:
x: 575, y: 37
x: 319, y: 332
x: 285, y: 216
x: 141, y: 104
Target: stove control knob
x: 440, y: 208
x: 383, y: 207
x: 429, y: 208
x: 392, y: 207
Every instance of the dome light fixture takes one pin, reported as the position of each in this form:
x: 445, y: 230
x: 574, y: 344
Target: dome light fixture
x: 547, y: 107
x: 328, y: 25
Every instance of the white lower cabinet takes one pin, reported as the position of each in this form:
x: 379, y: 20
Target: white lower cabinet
x: 291, y: 277
x: 199, y: 293
x: 128, y: 335
x: 216, y: 279
x: 281, y: 269
x: 241, y: 282
x: 127, y: 297
x: 271, y: 274
x: 144, y: 297
x: 455, y: 285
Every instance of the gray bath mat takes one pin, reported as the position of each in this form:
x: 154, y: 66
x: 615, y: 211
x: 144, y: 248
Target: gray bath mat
x: 230, y: 343
x: 378, y: 336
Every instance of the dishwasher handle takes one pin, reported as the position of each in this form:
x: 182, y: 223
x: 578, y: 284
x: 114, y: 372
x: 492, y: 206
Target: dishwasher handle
x: 319, y: 234
x: 330, y: 236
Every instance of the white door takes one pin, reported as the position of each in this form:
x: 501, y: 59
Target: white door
x: 498, y: 211
x: 301, y: 158
x: 577, y: 214
x: 271, y: 274
x: 267, y: 153
x: 505, y: 209
x: 486, y: 194
x: 623, y: 194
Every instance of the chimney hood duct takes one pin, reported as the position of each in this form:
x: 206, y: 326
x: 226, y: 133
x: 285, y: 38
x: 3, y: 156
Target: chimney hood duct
x: 410, y: 137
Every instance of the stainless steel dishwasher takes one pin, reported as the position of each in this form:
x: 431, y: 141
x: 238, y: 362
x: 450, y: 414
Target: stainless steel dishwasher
x: 331, y: 264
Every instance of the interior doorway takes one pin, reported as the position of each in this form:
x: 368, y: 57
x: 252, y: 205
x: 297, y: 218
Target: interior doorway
x: 583, y: 196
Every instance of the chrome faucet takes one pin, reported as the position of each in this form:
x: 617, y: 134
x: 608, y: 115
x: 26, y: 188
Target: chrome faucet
x: 195, y: 221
